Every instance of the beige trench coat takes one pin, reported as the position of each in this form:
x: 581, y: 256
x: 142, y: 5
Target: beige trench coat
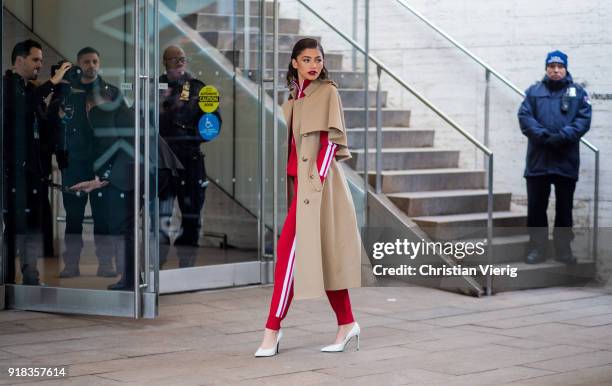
x: 328, y: 246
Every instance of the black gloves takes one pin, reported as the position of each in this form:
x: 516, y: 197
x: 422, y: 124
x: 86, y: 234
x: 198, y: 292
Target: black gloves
x: 555, y: 140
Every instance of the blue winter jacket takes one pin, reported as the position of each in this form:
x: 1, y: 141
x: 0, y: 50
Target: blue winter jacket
x: 554, y: 115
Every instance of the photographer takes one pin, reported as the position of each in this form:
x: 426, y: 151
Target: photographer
x: 26, y: 164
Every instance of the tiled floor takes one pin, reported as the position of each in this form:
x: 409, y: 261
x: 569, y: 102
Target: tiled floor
x: 410, y: 335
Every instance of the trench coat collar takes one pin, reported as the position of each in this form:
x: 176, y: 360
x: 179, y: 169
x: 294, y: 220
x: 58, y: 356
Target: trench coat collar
x: 312, y: 87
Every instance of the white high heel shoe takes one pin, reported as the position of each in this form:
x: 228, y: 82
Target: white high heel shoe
x: 268, y: 352
x: 339, y: 347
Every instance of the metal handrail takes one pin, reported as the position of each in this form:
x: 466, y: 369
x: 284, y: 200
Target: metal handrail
x: 475, y: 58
x: 381, y: 67
x: 491, y: 70
x: 395, y: 77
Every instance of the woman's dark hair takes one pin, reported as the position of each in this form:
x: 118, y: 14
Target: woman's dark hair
x: 301, y: 45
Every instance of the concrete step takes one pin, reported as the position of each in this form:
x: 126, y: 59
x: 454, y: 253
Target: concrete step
x: 227, y: 40
x: 227, y: 7
x: 344, y: 79
x: 332, y: 61
x: 392, y: 137
x: 355, y: 117
x: 547, y: 274
x: 203, y: 22
x: 350, y: 97
x: 471, y: 225
x: 406, y: 158
x: 449, y: 202
x: 506, y: 249
x: 429, y: 179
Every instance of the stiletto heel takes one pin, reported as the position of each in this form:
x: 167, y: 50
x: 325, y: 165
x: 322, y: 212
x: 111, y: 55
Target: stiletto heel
x: 268, y: 352
x: 339, y: 347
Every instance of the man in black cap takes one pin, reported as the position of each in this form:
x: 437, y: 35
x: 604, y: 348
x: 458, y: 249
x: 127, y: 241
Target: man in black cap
x: 26, y: 158
x: 554, y: 115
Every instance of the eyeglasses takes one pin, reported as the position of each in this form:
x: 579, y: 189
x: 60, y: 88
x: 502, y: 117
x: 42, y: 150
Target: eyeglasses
x: 178, y: 60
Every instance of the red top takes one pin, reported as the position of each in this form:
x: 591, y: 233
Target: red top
x: 327, y: 150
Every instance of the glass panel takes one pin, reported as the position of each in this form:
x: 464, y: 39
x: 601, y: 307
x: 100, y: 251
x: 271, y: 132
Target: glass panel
x: 209, y: 212
x: 68, y: 151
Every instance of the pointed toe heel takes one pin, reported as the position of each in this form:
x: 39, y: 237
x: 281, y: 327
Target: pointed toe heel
x: 339, y: 347
x: 269, y: 352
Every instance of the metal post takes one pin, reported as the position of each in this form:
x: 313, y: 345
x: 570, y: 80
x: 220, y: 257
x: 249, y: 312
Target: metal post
x: 136, y: 202
x: 247, y: 33
x: 156, y: 127
x: 487, y: 107
x: 367, y: 118
x: 596, y: 209
x: 275, y: 132
x: 489, y: 288
x: 262, y: 137
x: 147, y: 149
x: 354, y: 36
x: 378, y: 133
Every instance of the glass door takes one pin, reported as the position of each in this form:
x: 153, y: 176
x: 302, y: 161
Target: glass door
x: 210, y: 101
x: 79, y: 156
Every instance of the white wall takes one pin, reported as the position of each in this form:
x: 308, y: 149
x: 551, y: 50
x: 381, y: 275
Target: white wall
x: 513, y: 36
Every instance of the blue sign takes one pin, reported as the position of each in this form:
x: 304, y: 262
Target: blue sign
x: 209, y: 126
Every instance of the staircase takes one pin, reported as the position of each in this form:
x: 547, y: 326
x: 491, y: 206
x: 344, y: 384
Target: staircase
x: 425, y: 182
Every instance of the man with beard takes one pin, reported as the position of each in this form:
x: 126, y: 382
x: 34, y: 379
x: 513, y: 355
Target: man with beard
x: 555, y: 114
x: 111, y: 183
x: 75, y: 161
x: 26, y: 157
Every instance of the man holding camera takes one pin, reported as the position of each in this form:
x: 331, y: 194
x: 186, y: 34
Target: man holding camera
x: 26, y: 162
x: 555, y: 114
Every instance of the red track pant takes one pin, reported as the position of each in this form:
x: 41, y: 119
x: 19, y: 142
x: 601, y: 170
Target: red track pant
x: 283, y: 277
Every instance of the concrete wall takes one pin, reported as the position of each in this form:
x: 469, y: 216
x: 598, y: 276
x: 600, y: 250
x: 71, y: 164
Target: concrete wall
x: 513, y: 36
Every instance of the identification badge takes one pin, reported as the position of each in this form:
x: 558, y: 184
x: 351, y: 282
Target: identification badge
x: 185, y: 92
x: 571, y: 91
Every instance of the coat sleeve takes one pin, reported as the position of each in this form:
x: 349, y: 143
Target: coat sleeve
x: 530, y: 127
x: 327, y: 152
x: 336, y: 125
x: 581, y: 124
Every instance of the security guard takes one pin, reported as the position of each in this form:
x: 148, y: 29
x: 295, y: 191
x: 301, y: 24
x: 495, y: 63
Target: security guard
x: 555, y: 114
x: 25, y: 160
x: 178, y: 125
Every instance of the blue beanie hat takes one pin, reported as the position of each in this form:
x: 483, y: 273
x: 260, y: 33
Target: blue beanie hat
x: 556, y: 57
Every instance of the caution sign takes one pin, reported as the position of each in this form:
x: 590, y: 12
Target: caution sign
x: 209, y: 99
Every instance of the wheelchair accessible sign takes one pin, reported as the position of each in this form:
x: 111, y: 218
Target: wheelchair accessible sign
x: 208, y: 99
x: 209, y: 126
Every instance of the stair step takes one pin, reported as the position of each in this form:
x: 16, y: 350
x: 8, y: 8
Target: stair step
x: 203, y: 22
x: 355, y: 117
x: 506, y: 249
x: 429, y: 179
x: 392, y: 137
x: 406, y: 158
x: 350, y: 97
x: 228, y: 9
x: 449, y: 202
x: 471, y: 225
x: 227, y: 40
x: 332, y: 61
x: 547, y: 274
x: 344, y: 79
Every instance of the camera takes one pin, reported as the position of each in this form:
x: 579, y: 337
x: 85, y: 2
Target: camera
x: 73, y: 75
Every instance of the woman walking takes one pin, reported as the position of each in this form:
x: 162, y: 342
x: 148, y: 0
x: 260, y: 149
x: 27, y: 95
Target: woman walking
x: 319, y: 249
